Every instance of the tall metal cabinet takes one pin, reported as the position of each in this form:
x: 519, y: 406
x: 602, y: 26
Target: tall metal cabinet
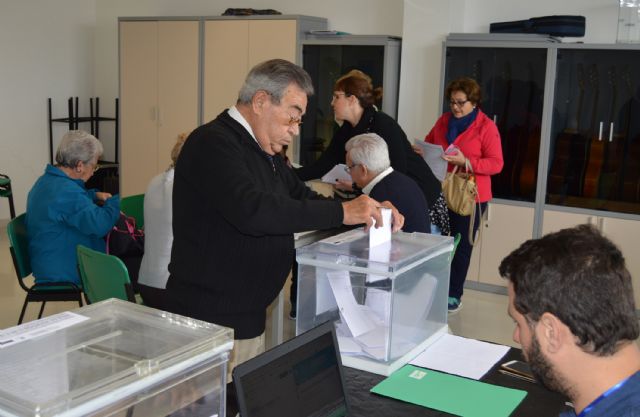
x: 326, y: 58
x: 177, y: 73
x: 571, y: 141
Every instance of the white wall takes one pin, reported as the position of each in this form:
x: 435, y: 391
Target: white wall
x: 46, y: 49
x: 427, y: 23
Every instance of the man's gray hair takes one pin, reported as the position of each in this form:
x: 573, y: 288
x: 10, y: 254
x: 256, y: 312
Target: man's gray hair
x: 78, y: 146
x: 274, y: 76
x: 369, y: 149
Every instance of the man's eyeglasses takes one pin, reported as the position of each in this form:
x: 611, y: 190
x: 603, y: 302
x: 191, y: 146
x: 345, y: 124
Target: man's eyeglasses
x: 293, y: 121
x: 458, y: 103
x: 348, y: 168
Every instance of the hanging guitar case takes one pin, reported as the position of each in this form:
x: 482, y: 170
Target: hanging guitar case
x: 557, y: 25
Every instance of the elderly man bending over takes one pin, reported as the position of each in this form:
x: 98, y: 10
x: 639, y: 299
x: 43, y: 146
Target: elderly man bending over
x: 370, y: 168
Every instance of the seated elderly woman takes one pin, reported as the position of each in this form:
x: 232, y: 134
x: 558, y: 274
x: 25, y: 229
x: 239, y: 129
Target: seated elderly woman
x: 62, y: 213
x: 368, y: 163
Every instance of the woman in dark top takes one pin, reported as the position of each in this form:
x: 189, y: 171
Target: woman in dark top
x: 353, y: 106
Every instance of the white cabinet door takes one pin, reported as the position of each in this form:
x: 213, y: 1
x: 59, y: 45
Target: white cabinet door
x: 139, y: 108
x: 557, y: 220
x: 626, y: 234
x: 177, y: 84
x: 226, y: 61
x: 506, y: 228
x: 159, y: 95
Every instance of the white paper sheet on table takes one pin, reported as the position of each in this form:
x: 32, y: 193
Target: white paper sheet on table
x: 350, y: 311
x: 461, y: 356
x: 338, y: 172
x: 432, y: 155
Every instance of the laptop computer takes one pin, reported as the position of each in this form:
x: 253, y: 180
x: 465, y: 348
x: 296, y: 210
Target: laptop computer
x: 302, y: 377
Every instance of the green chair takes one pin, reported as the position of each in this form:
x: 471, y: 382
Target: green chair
x: 133, y: 206
x: 456, y: 241
x: 103, y: 276
x: 39, y: 292
x: 5, y: 191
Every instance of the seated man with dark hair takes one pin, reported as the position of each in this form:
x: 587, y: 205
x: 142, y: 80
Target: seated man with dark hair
x: 571, y: 298
x: 370, y: 168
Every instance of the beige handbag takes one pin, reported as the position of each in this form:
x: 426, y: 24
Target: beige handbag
x: 460, y: 191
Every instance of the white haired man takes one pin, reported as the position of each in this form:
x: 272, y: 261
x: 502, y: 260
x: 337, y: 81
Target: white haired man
x: 370, y: 168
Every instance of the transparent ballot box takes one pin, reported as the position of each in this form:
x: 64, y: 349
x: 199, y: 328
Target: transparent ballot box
x: 114, y: 358
x: 388, y: 302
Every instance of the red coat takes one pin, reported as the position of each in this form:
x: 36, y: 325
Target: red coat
x: 480, y: 144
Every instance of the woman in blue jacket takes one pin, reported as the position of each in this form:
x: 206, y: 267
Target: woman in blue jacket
x: 62, y: 213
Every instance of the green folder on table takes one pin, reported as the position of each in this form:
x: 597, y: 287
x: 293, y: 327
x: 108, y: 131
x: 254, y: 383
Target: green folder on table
x: 449, y: 393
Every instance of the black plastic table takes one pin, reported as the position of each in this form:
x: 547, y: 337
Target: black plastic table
x: 539, y: 401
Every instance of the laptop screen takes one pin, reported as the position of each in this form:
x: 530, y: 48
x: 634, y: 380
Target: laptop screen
x: 300, y: 378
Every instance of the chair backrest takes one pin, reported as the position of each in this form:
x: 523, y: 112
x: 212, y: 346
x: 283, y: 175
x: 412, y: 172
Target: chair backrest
x: 19, y: 247
x: 103, y: 276
x: 134, y: 206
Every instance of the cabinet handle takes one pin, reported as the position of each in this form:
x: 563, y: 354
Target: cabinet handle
x: 601, y: 224
x: 495, y: 118
x: 611, y: 132
x: 600, y: 133
x: 590, y: 220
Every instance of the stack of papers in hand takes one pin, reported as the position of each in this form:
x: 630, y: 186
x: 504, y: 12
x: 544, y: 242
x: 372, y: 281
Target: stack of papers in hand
x: 432, y: 155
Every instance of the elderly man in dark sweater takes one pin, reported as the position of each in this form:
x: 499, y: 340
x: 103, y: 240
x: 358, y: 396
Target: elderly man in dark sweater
x: 368, y: 163
x: 236, y: 206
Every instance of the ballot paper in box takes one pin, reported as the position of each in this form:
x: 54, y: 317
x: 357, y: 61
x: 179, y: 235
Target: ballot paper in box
x: 388, y: 300
x: 114, y: 358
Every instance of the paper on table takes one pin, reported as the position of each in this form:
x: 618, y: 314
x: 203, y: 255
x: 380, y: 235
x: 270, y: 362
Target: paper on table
x: 432, y: 155
x: 461, y: 356
x: 350, y: 311
x: 449, y: 393
x: 338, y: 172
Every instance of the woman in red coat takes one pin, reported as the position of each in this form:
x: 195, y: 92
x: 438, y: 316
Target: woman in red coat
x: 467, y: 134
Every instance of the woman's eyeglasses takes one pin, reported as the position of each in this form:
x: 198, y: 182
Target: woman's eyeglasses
x: 458, y: 103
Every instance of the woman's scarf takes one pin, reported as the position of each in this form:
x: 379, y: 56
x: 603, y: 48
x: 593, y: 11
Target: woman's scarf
x: 458, y: 125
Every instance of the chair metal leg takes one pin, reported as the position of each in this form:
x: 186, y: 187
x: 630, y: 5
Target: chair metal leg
x: 12, y: 209
x: 41, y: 309
x: 24, y: 309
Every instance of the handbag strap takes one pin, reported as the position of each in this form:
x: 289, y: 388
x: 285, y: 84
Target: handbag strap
x: 472, y: 239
